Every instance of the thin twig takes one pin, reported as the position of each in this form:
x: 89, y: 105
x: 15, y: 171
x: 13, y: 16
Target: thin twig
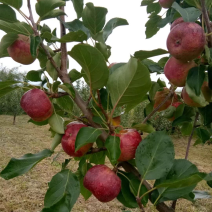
x: 190, y: 137
x: 138, y: 200
x: 207, y: 21
x: 171, y: 93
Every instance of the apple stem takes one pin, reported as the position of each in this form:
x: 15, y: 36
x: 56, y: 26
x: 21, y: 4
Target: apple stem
x: 207, y: 21
x: 171, y: 93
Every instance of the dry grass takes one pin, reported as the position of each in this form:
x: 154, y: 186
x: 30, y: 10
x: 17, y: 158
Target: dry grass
x: 26, y: 193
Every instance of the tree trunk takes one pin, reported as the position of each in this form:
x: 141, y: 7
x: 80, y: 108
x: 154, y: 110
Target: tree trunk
x: 14, y: 118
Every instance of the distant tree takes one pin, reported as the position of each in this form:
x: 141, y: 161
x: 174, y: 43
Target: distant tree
x: 10, y: 103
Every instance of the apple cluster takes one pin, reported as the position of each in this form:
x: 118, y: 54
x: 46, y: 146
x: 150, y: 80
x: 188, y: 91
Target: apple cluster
x: 38, y: 106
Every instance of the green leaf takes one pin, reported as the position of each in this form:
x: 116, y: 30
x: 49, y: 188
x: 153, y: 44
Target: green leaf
x: 181, y: 169
x: 56, y: 141
x: 129, y: 199
x: 152, y: 66
x: 68, y: 88
x: 155, y: 156
x: 74, y: 75
x: 98, y: 158
x: 189, y: 14
x: 63, y: 192
x: 206, y: 113
x: 34, y: 44
x: 144, y: 128
x: 55, y: 86
x: 7, y: 14
x: 7, y: 83
x: 111, y: 25
x: 152, y: 25
x: 78, y: 36
x: 40, y: 123
x: 34, y: 76
x: 146, y: 54
x: 154, y: 8
x: 6, y: 41
x: 146, y: 2
x: 43, y: 7
x: 154, y: 88
x: 202, y: 134
x: 14, y: 3
x: 86, y: 135
x: 104, y: 49
x: 94, y: 17
x: 6, y: 90
x: 65, y: 103
x: 195, y: 3
x: 85, y: 192
x: 78, y: 6
x: 77, y: 25
x: 51, y: 69
x: 113, y: 147
x: 127, y: 85
x: 93, y: 64
x: 17, y: 28
x: 52, y: 14
x: 162, y: 61
x: 195, y: 79
x: 20, y: 166
x: 186, y: 128
x: 56, y: 123
x: 184, y: 182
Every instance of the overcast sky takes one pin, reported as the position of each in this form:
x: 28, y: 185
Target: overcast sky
x: 125, y: 40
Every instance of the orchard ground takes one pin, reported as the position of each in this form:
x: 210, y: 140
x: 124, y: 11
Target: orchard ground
x: 26, y: 193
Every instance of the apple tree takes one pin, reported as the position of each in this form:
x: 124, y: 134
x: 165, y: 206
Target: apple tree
x: 96, y: 139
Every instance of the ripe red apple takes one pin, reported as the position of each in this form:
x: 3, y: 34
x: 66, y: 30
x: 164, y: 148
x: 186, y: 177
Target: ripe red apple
x: 166, y: 3
x: 102, y: 182
x: 161, y: 95
x: 20, y: 50
x: 206, y: 91
x: 37, y: 105
x: 186, y: 41
x: 129, y: 141
x: 176, y: 71
x: 68, y: 140
x: 176, y: 22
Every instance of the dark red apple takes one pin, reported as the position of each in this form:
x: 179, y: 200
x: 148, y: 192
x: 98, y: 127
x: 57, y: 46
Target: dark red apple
x: 166, y: 3
x: 186, y: 41
x: 20, y: 50
x: 68, y: 140
x: 161, y: 95
x: 37, y: 105
x: 102, y: 182
x: 176, y: 22
x: 129, y: 141
x: 176, y: 71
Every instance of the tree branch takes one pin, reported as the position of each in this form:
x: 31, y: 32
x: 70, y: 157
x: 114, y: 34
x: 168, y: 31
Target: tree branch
x: 171, y: 93
x: 95, y: 150
x: 207, y: 22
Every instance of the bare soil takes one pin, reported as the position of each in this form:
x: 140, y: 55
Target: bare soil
x: 26, y: 193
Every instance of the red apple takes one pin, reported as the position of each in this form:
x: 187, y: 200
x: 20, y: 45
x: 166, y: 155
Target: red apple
x: 68, y: 140
x: 161, y: 95
x: 166, y: 3
x: 102, y: 182
x: 176, y: 71
x: 176, y: 22
x: 186, y: 41
x: 37, y: 105
x: 20, y: 50
x: 206, y: 91
x: 129, y: 141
